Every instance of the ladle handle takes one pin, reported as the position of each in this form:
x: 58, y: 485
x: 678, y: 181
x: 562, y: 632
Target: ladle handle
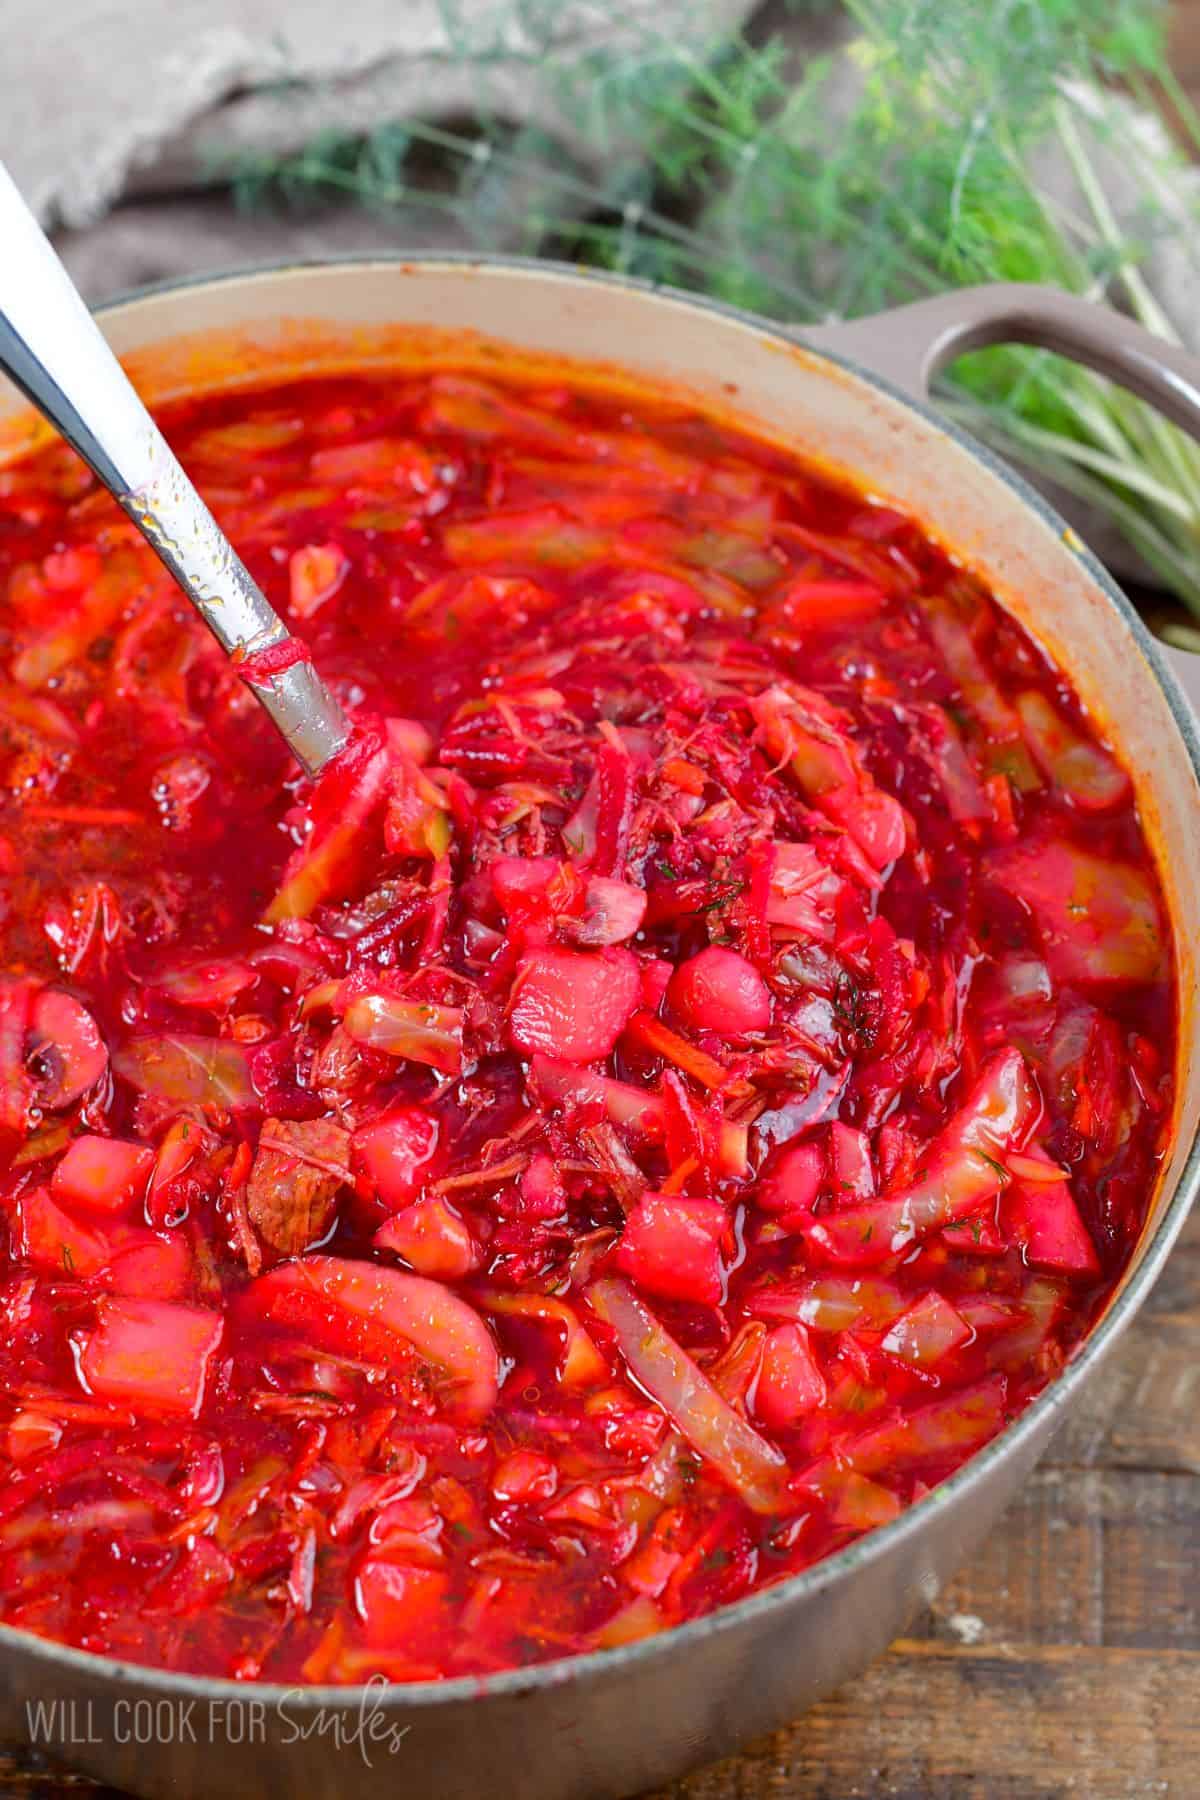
x: 52, y: 349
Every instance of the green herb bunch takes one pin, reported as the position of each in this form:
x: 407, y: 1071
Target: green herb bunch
x: 952, y: 142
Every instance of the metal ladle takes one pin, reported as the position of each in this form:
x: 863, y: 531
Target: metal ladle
x: 51, y: 347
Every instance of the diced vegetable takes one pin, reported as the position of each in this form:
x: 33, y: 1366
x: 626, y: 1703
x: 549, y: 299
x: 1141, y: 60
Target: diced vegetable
x: 395, y: 1155
x: 153, y: 1266
x: 927, y: 1332
x: 1099, y: 919
x: 151, y: 1355
x: 53, y: 1239
x: 874, y: 820
x: 746, y: 1461
x: 411, y: 1029
x: 790, y: 1383
x: 524, y: 1477
x: 1042, y: 1217
x: 791, y: 1182
x: 102, y: 1175
x: 201, y: 1070
x: 962, y: 1170
x: 717, y: 990
x: 65, y: 1047
x: 400, y: 1603
x: 673, y: 1246
x: 431, y: 1237
x: 358, y: 1309
x: 613, y: 912
x: 572, y: 1005
x: 524, y: 881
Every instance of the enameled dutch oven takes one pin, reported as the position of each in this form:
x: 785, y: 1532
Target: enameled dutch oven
x: 624, y: 1719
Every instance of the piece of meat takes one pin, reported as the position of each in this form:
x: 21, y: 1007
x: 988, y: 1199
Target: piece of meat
x: 298, y: 1168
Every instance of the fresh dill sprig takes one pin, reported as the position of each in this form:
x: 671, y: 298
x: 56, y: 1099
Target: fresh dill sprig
x: 955, y: 141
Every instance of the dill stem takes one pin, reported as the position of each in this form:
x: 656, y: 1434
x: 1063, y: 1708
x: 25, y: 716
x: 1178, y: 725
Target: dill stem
x: 1188, y: 115
x: 1183, y: 457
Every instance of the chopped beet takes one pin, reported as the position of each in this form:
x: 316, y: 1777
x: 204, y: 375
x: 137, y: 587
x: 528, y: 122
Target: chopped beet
x: 394, y: 1154
x: 685, y: 1076
x: 572, y: 1004
x: 1044, y: 1220
x: 790, y: 1382
x: 102, y: 1175
x: 720, y: 991
x: 150, y: 1354
x: 431, y: 1237
x: 792, y: 1180
x: 672, y: 1246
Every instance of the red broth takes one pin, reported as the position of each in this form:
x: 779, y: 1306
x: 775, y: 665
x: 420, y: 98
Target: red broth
x: 685, y: 1077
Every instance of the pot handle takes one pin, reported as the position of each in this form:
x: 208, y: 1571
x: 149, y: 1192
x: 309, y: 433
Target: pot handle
x: 910, y: 345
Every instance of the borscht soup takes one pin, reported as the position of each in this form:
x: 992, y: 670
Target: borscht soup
x: 681, y: 1080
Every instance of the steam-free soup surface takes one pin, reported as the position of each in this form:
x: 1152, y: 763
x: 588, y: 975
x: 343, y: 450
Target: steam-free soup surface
x: 685, y: 1077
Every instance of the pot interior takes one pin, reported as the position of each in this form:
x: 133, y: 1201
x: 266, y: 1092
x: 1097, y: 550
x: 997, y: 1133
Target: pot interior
x: 518, y: 318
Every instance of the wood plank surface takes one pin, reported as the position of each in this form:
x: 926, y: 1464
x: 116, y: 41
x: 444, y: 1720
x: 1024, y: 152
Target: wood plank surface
x: 1066, y: 1660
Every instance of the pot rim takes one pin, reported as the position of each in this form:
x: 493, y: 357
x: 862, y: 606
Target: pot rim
x: 1051, y: 1403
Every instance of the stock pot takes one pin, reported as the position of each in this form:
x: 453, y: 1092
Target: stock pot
x: 852, y: 399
